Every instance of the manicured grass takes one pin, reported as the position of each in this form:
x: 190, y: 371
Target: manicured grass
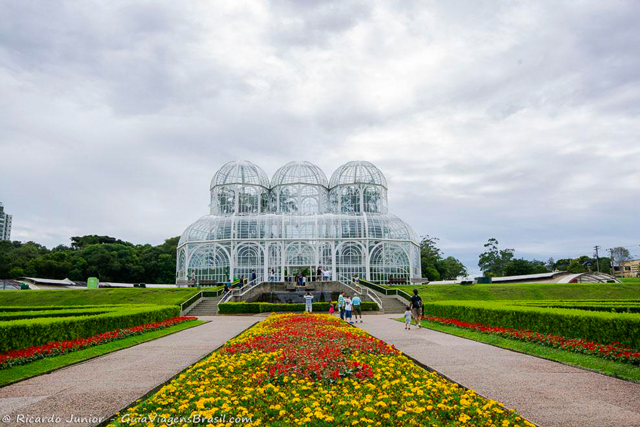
x: 22, y: 372
x: 96, y: 297
x: 608, y: 367
x: 630, y: 280
x: 537, y: 291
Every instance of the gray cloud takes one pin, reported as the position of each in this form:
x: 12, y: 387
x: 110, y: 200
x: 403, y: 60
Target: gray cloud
x: 516, y: 121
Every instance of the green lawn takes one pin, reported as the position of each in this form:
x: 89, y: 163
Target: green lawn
x: 615, y: 369
x: 22, y: 372
x: 524, y: 291
x: 96, y: 297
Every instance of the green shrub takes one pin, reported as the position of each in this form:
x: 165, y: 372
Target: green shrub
x: 238, y: 307
x: 33, y: 314
x: 18, y: 334
x: 603, y: 327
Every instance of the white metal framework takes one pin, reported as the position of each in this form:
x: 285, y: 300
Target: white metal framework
x: 297, y: 222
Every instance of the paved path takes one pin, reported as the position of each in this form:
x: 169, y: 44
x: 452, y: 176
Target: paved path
x: 545, y: 392
x: 102, y: 386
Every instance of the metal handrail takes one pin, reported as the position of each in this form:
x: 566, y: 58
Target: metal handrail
x: 239, y: 291
x: 386, y: 291
x: 196, y: 298
x: 359, y: 289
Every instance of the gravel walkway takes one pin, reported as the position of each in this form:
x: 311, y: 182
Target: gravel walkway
x: 545, y: 392
x: 100, y: 387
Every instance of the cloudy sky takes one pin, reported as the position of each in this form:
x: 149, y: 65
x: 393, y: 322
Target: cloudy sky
x: 514, y: 120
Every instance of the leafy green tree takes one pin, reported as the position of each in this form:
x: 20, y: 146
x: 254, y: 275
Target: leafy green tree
x: 517, y: 267
x: 434, y: 266
x: 619, y: 256
x: 106, y: 257
x: 452, y: 268
x: 493, y: 261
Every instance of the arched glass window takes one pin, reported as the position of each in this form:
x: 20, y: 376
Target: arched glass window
x: 389, y: 260
x: 350, y: 261
x: 209, y: 262
x: 249, y: 259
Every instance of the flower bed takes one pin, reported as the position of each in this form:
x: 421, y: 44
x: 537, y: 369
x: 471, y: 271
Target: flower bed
x: 27, y: 355
x: 310, y: 369
x: 615, y: 351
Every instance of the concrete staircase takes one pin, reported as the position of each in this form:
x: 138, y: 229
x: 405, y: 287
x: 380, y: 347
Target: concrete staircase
x: 206, y: 307
x: 391, y: 304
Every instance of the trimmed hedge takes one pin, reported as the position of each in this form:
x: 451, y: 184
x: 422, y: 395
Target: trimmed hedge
x: 6, y: 309
x: 595, y: 326
x: 267, y: 307
x: 33, y: 314
x: 18, y: 334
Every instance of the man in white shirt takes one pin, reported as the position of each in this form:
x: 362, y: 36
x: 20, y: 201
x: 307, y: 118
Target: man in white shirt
x: 308, y: 298
x: 348, y: 306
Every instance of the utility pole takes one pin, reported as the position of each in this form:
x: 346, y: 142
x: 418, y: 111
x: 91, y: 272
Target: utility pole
x: 596, y: 247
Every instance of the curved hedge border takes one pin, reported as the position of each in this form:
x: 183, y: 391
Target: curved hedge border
x: 267, y: 307
x: 18, y: 334
x: 595, y: 326
x: 29, y: 314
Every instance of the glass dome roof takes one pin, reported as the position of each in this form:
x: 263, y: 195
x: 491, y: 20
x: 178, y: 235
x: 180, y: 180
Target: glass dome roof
x: 358, y: 172
x: 299, y: 173
x: 240, y: 172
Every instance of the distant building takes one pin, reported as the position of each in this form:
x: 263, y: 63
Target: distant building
x: 629, y: 268
x: 5, y: 224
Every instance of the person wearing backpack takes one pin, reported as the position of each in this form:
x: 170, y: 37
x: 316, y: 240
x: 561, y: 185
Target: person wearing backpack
x: 416, y: 307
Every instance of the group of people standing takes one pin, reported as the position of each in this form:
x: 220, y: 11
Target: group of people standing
x: 350, y: 309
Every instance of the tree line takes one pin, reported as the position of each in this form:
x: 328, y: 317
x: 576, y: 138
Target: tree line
x: 114, y: 260
x: 497, y: 262
x: 108, y: 258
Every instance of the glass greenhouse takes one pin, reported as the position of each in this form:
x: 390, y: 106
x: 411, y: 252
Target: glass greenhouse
x: 297, y: 222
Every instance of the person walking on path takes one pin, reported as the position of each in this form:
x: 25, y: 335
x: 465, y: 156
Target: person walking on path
x: 319, y: 274
x: 253, y: 276
x: 416, y: 307
x: 341, y: 305
x: 331, y: 309
x: 348, y: 306
x: 357, y: 309
x: 308, y: 298
x: 407, y: 318
x: 272, y: 275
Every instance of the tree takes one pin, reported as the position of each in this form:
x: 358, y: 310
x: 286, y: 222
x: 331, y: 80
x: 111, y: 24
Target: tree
x: 434, y: 266
x: 453, y: 268
x: 493, y: 261
x: 517, y: 267
x: 619, y: 256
